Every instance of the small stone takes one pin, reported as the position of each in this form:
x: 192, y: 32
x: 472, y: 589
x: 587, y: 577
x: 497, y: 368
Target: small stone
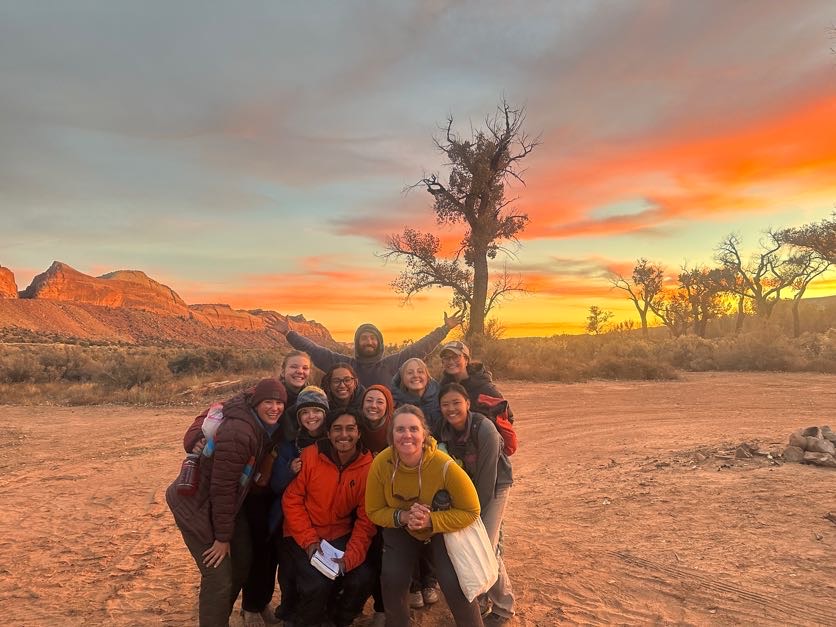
x: 793, y: 454
x: 828, y: 434
x: 820, y: 445
x: 742, y: 453
x: 700, y: 457
x: 814, y: 432
x: 820, y: 459
x: 796, y: 439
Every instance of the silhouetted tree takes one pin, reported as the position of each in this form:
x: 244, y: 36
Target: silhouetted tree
x: 596, y: 321
x: 672, y: 307
x: 645, y: 284
x: 704, y: 288
x: 481, y: 165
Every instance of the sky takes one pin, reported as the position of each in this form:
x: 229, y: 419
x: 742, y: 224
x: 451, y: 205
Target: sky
x: 256, y: 153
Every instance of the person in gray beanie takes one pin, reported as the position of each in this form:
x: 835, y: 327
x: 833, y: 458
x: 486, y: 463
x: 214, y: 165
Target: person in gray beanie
x: 310, y: 411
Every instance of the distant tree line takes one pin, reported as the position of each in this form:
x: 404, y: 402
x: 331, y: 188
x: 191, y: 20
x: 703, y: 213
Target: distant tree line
x: 786, y: 262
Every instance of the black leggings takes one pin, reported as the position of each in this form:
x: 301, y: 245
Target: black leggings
x: 401, y: 553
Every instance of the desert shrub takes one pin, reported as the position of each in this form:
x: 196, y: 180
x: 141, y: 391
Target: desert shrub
x: 690, y: 352
x: 759, y: 351
x: 69, y: 363
x: 127, y: 370
x: 627, y: 367
x: 188, y: 362
x: 20, y: 367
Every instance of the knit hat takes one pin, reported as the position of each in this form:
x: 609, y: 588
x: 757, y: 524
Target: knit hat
x: 387, y: 394
x: 311, y: 396
x: 459, y: 348
x: 268, y: 389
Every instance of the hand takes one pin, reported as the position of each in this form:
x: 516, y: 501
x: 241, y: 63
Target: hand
x: 215, y: 554
x: 198, y: 448
x: 278, y: 324
x: 311, y: 549
x: 341, y: 562
x: 418, y: 517
x: 455, y: 320
x: 296, y: 465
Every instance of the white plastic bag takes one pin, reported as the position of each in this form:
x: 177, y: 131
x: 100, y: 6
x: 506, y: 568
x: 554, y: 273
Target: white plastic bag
x: 473, y: 557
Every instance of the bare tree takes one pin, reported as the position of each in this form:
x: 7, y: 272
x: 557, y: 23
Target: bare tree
x: 481, y: 165
x: 761, y: 278
x: 645, y: 284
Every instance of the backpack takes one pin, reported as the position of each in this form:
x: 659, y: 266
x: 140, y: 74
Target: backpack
x: 496, y: 409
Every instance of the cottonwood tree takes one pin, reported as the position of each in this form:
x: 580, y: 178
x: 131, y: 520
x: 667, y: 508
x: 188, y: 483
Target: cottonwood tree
x: 814, y: 252
x: 672, y: 307
x: 481, y: 165
x: 704, y: 288
x: 760, y: 278
x: 644, y: 284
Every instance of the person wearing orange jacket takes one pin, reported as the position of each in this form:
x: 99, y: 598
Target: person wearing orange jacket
x: 326, y: 501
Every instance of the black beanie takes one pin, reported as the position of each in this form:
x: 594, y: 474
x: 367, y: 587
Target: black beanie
x: 268, y: 389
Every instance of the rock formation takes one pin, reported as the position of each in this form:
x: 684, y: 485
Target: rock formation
x: 8, y: 287
x: 124, y: 288
x: 813, y: 445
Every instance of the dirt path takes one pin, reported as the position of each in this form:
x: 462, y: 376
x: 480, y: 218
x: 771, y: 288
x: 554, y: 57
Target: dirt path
x: 622, y: 510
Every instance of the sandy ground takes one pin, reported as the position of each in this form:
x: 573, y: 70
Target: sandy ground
x: 615, y: 516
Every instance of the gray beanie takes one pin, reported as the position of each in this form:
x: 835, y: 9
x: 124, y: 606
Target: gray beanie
x: 311, y: 396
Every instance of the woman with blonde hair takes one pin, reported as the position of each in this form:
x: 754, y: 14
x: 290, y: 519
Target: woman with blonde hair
x: 402, y: 483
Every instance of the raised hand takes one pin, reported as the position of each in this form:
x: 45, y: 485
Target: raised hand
x: 455, y: 320
x: 278, y: 324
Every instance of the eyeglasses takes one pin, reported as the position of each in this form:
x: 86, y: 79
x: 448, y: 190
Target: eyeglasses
x: 450, y: 357
x: 346, y: 381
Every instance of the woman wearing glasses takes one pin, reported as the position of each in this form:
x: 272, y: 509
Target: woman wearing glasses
x: 343, y: 390
x: 402, y: 482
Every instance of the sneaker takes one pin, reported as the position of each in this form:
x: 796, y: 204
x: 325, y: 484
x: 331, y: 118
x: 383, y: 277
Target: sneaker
x: 379, y: 619
x: 485, y: 605
x: 495, y: 619
x: 430, y: 596
x: 416, y: 600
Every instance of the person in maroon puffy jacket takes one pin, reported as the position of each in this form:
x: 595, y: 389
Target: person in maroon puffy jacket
x: 210, y: 520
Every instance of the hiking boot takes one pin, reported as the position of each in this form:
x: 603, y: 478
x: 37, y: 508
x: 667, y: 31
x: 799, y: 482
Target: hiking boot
x: 416, y: 600
x: 430, y: 595
x: 485, y: 605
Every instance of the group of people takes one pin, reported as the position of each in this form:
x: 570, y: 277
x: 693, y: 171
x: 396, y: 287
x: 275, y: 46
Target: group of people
x: 358, y: 464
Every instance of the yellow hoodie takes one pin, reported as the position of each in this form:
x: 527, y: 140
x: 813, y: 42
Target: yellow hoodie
x: 384, y: 495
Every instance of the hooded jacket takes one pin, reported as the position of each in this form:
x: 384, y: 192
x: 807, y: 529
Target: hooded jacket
x: 325, y: 502
x: 375, y: 368
x: 479, y: 381
x: 209, y: 514
x: 478, y: 448
x: 427, y: 402
x: 389, y: 490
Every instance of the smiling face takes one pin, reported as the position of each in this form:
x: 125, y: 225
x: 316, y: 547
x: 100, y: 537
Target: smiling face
x: 269, y: 411
x: 343, y: 384
x: 367, y: 344
x: 344, y: 435
x: 374, y: 406
x: 414, y: 376
x: 455, y: 408
x: 455, y: 365
x: 295, y: 372
x: 408, y: 437
x: 311, y: 419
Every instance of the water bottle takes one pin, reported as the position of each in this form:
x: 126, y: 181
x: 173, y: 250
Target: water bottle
x: 189, y: 476
x: 213, y: 420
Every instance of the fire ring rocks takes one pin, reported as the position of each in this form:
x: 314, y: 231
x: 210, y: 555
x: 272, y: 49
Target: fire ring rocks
x: 813, y: 445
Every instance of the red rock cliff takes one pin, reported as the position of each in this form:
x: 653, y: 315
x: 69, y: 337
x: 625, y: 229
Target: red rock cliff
x: 8, y: 287
x: 124, y: 288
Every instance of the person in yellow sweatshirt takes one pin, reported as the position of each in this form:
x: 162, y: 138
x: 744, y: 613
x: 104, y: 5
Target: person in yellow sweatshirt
x: 401, y: 485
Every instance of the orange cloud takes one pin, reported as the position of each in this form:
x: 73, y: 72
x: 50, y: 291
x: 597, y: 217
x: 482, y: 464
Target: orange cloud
x: 728, y: 171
